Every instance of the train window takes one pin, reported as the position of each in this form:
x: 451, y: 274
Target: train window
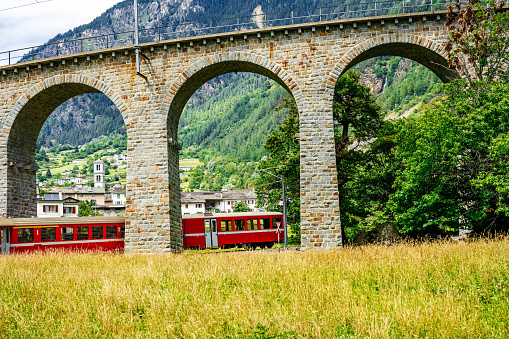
x: 82, y: 232
x: 122, y: 231
x: 48, y: 234
x: 275, y: 222
x: 67, y: 233
x: 252, y: 224
x: 111, y: 232
x: 97, y: 232
x: 226, y: 225
x: 265, y: 224
x: 25, y: 235
x: 240, y: 225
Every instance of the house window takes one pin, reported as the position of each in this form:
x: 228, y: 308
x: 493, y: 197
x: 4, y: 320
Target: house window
x: 187, y: 206
x: 228, y: 203
x: 198, y: 205
x: 93, y: 195
x: 69, y: 210
x: 50, y: 208
x: 118, y: 196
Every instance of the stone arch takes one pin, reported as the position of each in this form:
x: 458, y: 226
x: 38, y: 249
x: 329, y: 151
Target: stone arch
x: 205, y: 69
x: 21, y: 129
x: 192, y: 78
x: 428, y: 53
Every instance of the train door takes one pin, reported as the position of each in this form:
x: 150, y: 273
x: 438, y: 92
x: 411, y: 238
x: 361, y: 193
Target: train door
x: 5, y: 248
x: 210, y: 233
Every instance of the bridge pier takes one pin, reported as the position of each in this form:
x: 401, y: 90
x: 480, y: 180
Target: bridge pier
x: 319, y: 204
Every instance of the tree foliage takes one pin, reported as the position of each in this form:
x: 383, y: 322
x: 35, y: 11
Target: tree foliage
x: 283, y: 161
x: 86, y: 208
x: 241, y: 206
x: 478, y: 40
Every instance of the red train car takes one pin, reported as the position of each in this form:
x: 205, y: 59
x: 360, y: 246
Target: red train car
x: 22, y: 235
x: 226, y: 230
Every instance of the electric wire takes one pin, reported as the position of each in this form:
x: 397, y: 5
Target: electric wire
x: 37, y: 2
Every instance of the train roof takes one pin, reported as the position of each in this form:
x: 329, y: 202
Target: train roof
x: 231, y: 215
x: 59, y: 221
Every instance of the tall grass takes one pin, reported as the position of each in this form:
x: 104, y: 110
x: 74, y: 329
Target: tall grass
x: 434, y: 290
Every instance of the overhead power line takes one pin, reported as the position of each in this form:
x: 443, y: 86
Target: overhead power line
x: 25, y: 5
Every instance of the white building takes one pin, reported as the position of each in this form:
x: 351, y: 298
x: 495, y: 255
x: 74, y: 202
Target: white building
x: 118, y: 196
x: 99, y: 180
x: 55, y: 206
x: 120, y: 157
x: 224, y: 201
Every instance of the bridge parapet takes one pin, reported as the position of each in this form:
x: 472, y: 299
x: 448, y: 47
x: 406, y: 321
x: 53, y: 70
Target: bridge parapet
x: 247, y: 25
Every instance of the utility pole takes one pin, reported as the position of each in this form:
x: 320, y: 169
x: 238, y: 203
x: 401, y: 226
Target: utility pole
x: 284, y: 202
x: 136, y: 37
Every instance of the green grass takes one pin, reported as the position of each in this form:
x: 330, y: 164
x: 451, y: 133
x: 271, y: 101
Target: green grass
x: 430, y: 290
x: 190, y: 162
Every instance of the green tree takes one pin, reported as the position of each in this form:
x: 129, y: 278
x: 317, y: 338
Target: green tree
x: 48, y: 174
x: 454, y: 163
x: 241, y: 206
x: 478, y: 46
x: 86, y: 208
x: 361, y: 158
x: 283, y: 160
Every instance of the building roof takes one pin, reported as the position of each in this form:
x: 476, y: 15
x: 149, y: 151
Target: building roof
x: 232, y: 194
x: 118, y: 190
x: 51, y: 196
x: 56, y: 197
x: 80, y: 190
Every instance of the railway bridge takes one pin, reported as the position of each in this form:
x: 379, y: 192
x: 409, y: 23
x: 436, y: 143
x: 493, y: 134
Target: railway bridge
x: 306, y: 59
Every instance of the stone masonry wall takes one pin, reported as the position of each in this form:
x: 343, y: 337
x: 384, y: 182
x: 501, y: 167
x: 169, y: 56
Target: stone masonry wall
x: 306, y: 60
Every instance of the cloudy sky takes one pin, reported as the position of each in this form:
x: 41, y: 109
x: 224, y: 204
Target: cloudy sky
x: 35, y: 25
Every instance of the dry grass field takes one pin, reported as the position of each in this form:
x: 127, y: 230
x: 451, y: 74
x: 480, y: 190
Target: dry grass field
x: 431, y: 290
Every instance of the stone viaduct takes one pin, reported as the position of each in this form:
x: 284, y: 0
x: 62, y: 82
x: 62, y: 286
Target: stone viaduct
x: 306, y: 60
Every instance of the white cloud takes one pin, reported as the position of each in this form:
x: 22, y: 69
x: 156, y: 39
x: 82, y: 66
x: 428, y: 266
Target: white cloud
x: 34, y: 25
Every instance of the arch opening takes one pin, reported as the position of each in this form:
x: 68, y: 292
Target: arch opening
x: 401, y: 77
x: 424, y: 56
x: 192, y: 83
x: 220, y: 165
x: 35, y: 108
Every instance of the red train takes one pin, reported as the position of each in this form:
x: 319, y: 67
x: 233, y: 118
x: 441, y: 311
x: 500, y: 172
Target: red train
x: 22, y: 235
x: 226, y: 230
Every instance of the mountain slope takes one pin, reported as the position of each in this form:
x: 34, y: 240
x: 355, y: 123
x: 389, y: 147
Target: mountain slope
x: 231, y: 115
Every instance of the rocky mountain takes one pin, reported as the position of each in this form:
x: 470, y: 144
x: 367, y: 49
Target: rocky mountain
x: 204, y: 121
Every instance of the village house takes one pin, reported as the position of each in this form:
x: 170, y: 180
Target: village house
x: 223, y: 201
x: 54, y: 205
